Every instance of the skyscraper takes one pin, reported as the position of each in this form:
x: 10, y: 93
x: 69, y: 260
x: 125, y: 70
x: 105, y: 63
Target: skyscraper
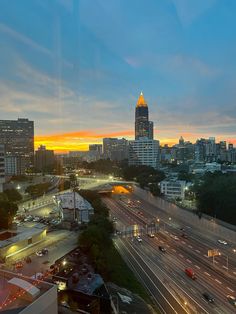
x: 143, y: 127
x: 144, y: 150
x: 18, y: 138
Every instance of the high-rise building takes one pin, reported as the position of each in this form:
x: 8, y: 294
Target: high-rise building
x: 143, y: 127
x: 144, y: 152
x: 115, y: 148
x: 18, y: 138
x: 44, y: 159
x: 2, y: 166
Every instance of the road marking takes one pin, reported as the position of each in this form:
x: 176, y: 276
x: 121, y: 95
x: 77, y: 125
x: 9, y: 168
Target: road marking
x: 234, y: 272
x: 181, y: 255
x: 173, y: 250
x: 224, y: 267
x: 218, y: 281
x: 188, y: 260
x: 190, y: 246
x: 207, y: 274
x: 197, y: 266
x: 197, y: 251
x: 183, y: 281
x: 230, y: 289
x: 205, y: 255
x: 216, y: 262
x: 167, y: 245
x: 183, y: 242
x: 161, y: 241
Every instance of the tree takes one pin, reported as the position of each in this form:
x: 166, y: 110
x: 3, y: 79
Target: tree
x: 216, y: 196
x: 13, y: 195
x: 7, y: 213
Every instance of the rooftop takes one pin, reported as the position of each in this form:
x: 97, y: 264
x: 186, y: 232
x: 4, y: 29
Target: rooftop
x: 21, y: 233
x: 70, y: 200
x: 18, y: 292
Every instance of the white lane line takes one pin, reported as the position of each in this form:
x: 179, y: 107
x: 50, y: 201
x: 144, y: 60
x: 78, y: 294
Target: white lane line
x: 188, y: 260
x: 161, y: 241
x: 207, y: 274
x: 197, y: 251
x: 173, y: 250
x: 183, y: 242
x: 216, y: 262
x: 197, y: 266
x: 190, y: 246
x: 230, y: 289
x: 167, y: 245
x: 224, y: 267
x: 234, y: 272
x: 205, y: 255
x: 218, y: 281
x: 181, y: 255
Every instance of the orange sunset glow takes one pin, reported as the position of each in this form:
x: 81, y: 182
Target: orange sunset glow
x: 80, y: 140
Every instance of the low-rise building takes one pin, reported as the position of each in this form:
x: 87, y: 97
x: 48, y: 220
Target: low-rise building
x: 73, y: 207
x: 14, y: 241
x: 173, y: 188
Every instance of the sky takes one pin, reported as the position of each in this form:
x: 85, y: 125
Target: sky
x: 77, y: 67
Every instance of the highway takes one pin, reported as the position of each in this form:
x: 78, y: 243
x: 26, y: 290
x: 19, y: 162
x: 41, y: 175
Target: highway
x: 163, y: 273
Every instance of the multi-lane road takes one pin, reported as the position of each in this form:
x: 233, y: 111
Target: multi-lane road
x: 163, y: 273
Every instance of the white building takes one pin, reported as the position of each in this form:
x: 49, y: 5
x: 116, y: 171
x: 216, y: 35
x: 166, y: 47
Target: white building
x: 173, y: 188
x: 2, y: 166
x: 144, y: 152
x: 73, y: 207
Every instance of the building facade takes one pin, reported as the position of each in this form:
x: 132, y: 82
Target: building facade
x: 2, y: 166
x: 14, y: 165
x: 115, y: 149
x: 44, y: 158
x: 18, y: 138
x: 173, y: 188
x: 144, y: 152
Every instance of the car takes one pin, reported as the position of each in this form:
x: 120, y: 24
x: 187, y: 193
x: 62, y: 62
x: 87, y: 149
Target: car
x: 232, y: 300
x: 139, y: 239
x: 18, y: 265
x: 45, y: 251
x: 39, y: 253
x: 151, y: 235
x: 162, y: 249
x: 222, y: 242
x: 208, y: 297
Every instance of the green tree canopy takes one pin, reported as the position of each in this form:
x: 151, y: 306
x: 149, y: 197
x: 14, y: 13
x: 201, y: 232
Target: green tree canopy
x: 7, y: 213
x: 216, y: 196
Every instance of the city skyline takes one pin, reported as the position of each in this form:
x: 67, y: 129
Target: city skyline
x: 79, y: 79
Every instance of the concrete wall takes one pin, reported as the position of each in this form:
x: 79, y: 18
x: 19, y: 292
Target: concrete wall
x: 189, y: 218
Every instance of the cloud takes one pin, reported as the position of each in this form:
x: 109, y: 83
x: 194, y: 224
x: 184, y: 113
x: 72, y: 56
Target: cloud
x: 31, y: 43
x: 190, y: 10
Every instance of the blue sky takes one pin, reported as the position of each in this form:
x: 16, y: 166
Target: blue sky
x: 77, y: 67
